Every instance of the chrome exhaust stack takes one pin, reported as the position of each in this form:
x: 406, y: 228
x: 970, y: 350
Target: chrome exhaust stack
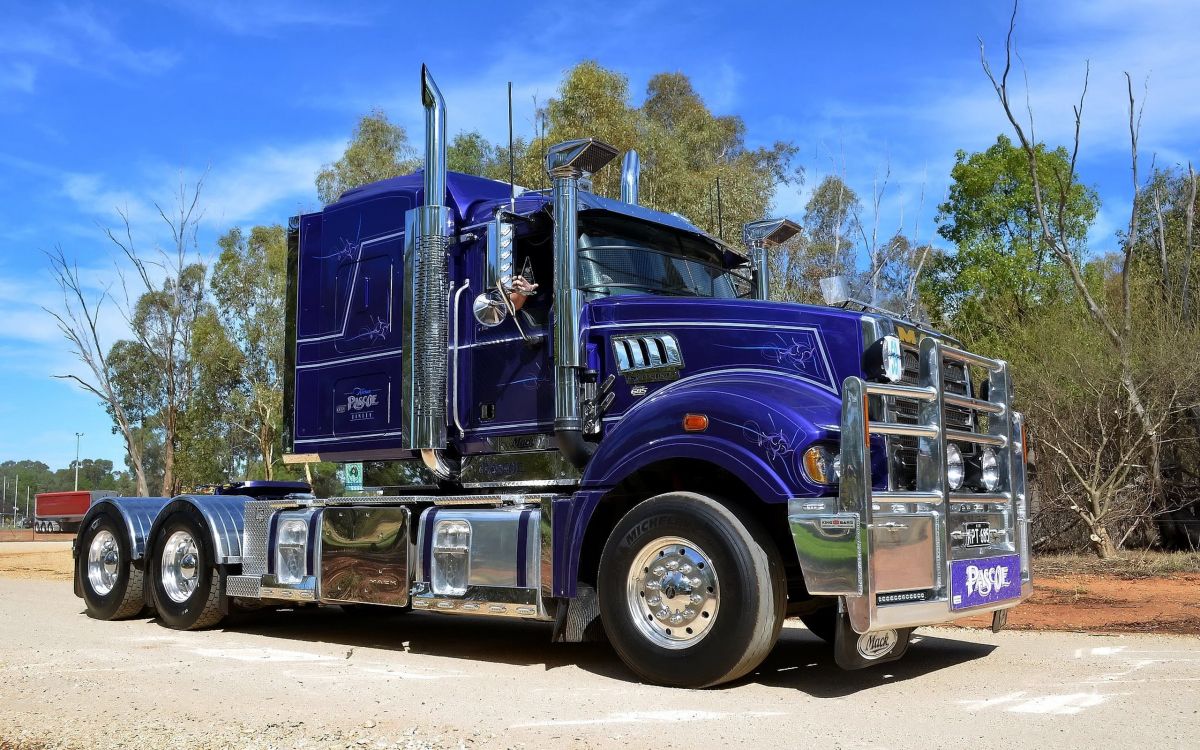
x: 567, y: 163
x: 759, y: 236
x: 631, y: 172
x: 425, y: 314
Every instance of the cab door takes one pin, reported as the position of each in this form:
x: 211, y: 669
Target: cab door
x: 507, y: 371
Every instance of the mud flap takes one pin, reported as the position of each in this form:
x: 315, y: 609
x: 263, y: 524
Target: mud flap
x: 854, y: 651
x: 999, y: 620
x: 578, y: 620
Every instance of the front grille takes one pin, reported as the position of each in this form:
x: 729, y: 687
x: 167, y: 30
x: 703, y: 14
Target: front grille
x: 903, y: 450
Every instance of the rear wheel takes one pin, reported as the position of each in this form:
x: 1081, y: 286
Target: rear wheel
x: 691, y: 593
x: 111, y: 586
x: 182, y: 575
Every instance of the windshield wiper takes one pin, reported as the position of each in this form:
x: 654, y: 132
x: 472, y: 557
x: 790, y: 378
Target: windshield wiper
x: 601, y: 288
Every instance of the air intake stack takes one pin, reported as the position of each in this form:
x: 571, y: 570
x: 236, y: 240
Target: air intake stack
x: 631, y: 171
x: 759, y: 236
x: 566, y: 163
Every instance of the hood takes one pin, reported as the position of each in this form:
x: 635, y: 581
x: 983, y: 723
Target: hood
x: 819, y: 345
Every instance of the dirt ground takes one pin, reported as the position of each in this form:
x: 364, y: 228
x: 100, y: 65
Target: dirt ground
x: 47, y: 561
x: 325, y: 679
x: 1101, y: 604
x: 320, y: 679
x: 1086, y: 603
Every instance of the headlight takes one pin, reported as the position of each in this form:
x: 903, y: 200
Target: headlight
x: 883, y: 360
x: 291, y: 550
x: 989, y: 470
x: 821, y: 465
x: 954, y: 466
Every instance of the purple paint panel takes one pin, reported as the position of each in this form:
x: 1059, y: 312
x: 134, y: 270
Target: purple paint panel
x: 977, y: 582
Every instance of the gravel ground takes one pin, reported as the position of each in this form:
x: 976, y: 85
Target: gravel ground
x: 326, y: 679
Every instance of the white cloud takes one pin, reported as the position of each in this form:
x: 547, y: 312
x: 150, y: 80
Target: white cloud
x: 917, y: 126
x: 77, y: 37
x: 258, y: 185
x: 269, y: 17
x: 18, y: 76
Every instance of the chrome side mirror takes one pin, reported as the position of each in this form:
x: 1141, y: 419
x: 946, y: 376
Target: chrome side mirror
x: 489, y: 311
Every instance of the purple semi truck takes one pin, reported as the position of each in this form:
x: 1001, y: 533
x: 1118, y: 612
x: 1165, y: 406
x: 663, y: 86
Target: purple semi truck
x: 644, y: 447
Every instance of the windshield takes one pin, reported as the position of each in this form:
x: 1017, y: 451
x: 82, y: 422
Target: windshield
x: 618, y: 256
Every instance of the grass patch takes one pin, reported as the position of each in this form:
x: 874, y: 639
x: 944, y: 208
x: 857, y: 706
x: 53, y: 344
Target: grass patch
x: 1142, y: 564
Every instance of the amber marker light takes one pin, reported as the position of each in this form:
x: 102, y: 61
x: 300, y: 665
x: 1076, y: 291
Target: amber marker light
x: 866, y: 417
x: 695, y: 422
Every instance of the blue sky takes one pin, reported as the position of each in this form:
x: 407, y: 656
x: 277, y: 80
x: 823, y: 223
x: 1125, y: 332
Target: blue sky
x: 103, y: 105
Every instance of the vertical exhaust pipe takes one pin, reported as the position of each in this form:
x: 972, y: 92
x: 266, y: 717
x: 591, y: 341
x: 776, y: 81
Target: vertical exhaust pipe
x: 566, y: 163
x: 425, y: 314
x: 631, y: 171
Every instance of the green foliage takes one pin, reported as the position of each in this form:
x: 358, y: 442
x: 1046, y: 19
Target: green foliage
x: 684, y: 148
x: 154, y: 374
x: 378, y: 149
x: 27, y: 478
x: 249, y: 284
x: 827, y: 247
x: 1002, y: 267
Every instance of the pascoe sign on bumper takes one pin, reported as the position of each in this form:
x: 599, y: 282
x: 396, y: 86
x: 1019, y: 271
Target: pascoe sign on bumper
x: 974, y: 583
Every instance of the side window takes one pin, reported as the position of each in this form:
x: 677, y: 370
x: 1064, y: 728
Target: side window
x: 535, y: 263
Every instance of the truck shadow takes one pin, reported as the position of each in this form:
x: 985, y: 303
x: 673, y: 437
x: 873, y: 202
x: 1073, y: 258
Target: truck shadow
x: 800, y: 661
x: 803, y: 662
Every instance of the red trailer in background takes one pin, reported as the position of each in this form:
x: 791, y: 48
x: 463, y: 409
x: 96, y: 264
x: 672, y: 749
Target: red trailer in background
x: 62, y: 511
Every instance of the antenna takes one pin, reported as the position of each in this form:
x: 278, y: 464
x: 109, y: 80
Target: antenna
x: 512, y: 164
x: 720, y: 227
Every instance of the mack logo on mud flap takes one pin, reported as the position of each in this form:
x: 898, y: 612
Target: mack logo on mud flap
x: 977, y: 582
x: 877, y: 644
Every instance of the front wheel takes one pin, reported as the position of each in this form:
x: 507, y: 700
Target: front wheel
x: 182, y: 574
x: 692, y: 594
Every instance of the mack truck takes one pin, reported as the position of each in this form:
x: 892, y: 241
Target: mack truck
x: 643, y: 448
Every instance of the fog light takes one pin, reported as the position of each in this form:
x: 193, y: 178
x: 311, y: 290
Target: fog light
x: 291, y: 550
x: 954, y: 466
x: 989, y: 470
x: 884, y: 360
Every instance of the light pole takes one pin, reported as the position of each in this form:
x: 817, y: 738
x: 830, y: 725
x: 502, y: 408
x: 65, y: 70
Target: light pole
x: 77, y: 436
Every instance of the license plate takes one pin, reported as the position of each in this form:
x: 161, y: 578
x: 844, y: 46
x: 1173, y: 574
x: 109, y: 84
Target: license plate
x: 978, y: 534
x: 974, y: 583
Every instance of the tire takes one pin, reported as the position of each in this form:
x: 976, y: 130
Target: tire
x: 822, y: 623
x: 183, y: 577
x: 109, y: 583
x: 720, y: 623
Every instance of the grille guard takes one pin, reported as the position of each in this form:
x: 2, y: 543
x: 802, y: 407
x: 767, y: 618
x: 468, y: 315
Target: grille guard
x: 840, y: 540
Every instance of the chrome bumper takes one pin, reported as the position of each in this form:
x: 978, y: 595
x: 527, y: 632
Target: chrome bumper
x: 897, y: 558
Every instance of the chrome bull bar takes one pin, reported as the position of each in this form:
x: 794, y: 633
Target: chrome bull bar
x: 890, y: 554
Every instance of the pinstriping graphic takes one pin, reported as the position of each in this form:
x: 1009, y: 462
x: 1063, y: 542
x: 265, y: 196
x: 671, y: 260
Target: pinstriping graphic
x: 347, y: 252
x: 801, y: 349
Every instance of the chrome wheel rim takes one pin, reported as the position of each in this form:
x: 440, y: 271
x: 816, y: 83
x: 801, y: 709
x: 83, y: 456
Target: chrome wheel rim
x: 672, y: 592
x: 102, y: 562
x: 180, y: 566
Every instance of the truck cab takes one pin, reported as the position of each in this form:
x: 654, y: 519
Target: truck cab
x: 644, y: 443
